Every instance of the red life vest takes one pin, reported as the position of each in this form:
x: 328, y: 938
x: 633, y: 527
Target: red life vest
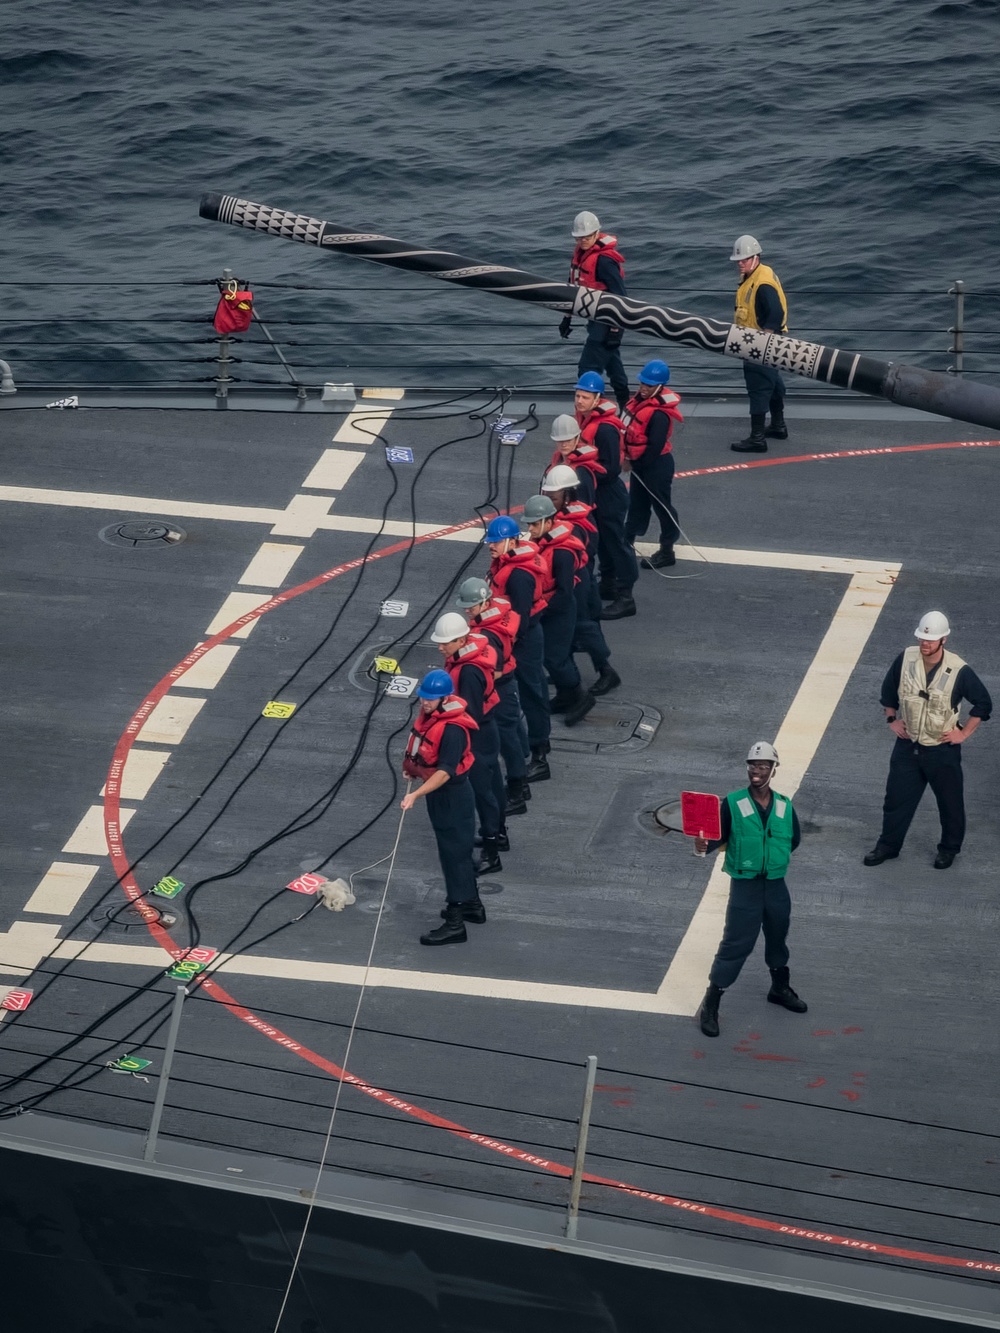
x: 523, y: 556
x: 420, y: 760
x: 637, y: 417
x: 578, y: 514
x: 561, y: 537
x: 603, y: 414
x: 501, y: 619
x: 583, y: 265
x: 584, y: 456
x: 477, y: 652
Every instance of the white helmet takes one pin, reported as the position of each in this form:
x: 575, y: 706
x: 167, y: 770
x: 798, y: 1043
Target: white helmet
x: 934, y: 625
x: 761, y: 750
x: 450, y: 626
x: 559, y: 478
x: 745, y: 247
x: 565, y: 428
x: 585, y: 224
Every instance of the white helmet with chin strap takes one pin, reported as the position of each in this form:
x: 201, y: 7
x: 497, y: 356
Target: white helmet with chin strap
x: 585, y: 224
x: 744, y: 247
x: 761, y: 751
x: 934, y: 625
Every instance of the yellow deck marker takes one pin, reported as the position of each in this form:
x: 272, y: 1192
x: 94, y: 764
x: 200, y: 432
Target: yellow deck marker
x: 275, y: 708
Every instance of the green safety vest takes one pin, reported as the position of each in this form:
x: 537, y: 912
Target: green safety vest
x: 755, y: 849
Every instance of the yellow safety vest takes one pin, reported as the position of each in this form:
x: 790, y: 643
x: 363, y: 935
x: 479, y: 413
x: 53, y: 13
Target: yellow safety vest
x: 926, y: 709
x: 746, y: 298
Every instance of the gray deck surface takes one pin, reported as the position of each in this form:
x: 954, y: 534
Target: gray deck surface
x: 897, y: 963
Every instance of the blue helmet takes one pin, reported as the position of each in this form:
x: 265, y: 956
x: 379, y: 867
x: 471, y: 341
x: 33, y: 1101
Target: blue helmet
x: 591, y: 382
x: 502, y: 527
x: 435, y: 685
x: 655, y: 372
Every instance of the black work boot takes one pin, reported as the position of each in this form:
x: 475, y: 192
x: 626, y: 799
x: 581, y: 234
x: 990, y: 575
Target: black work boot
x: 502, y: 841
x: 708, y: 1014
x: 517, y: 799
x: 452, y: 929
x: 777, y: 430
x: 879, y: 853
x: 489, y: 862
x: 622, y: 606
x: 561, y: 700
x: 473, y: 911
x: 583, y: 702
x: 538, y: 769
x: 608, y: 679
x: 755, y: 443
x: 781, y: 993
x: 660, y: 559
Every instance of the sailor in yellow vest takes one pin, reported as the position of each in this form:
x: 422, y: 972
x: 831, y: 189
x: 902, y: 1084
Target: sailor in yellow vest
x: 760, y: 831
x: 922, y: 696
x: 760, y: 304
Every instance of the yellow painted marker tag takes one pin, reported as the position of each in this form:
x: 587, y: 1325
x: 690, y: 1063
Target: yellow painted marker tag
x: 388, y: 666
x: 278, y: 709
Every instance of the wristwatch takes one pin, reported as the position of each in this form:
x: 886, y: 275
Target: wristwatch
x: 890, y: 719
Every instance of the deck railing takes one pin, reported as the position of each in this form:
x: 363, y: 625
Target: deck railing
x: 159, y: 335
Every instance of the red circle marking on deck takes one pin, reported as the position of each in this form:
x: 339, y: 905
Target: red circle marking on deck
x: 112, y: 815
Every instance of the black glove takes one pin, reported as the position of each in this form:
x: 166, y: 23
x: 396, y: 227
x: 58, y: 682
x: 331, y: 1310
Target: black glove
x: 565, y: 326
x: 613, y: 340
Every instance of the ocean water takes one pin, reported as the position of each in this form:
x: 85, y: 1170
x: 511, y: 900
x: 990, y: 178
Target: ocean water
x: 858, y: 142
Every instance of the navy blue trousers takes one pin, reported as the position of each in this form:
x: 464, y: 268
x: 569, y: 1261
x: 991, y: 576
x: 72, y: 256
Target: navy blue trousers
x: 589, y: 637
x: 559, y: 627
x: 531, y: 687
x: 765, y: 388
x: 658, y: 479
x: 754, y: 904
x: 911, y: 768
x: 596, y: 355
x: 486, y: 778
x: 452, y: 811
x: 510, y: 727
x: 615, y: 558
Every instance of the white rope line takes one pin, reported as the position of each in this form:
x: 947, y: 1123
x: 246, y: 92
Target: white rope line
x: 344, y: 1066
x: 701, y: 554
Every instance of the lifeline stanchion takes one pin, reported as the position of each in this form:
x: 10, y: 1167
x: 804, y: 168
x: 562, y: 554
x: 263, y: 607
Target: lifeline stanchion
x: 149, y: 1151
x: 573, y: 1207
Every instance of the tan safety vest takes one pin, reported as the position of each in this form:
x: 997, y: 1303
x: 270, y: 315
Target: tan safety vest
x: 926, y: 709
x: 746, y: 298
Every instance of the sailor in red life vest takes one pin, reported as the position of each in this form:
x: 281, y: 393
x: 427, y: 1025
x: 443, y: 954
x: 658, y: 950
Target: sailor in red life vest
x: 600, y: 425
x: 494, y: 617
x: 471, y: 663
x: 516, y: 573
x: 439, y: 753
x: 597, y: 263
x: 581, y: 455
x: 565, y: 558
x: 649, y: 420
x: 559, y: 487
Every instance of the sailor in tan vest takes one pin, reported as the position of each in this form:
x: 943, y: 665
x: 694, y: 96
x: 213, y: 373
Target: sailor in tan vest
x: 922, y: 696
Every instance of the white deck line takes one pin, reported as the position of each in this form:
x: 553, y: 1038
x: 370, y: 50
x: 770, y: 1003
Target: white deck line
x: 142, y: 768
x: 139, y: 504
x: 88, y: 838
x: 208, y: 670
x: 167, y: 724
x: 236, y: 604
x: 362, y: 425
x: 61, y: 888
x: 796, y: 742
x: 334, y: 470
x: 271, y: 565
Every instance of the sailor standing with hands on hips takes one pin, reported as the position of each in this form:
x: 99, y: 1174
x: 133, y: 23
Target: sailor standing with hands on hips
x: 760, y: 830
x: 922, y: 696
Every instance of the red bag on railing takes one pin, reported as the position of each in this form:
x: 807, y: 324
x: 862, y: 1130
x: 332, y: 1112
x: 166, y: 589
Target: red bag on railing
x: 234, y: 311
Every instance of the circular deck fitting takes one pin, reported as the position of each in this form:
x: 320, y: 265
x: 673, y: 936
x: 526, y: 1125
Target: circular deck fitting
x: 143, y: 533
x: 128, y: 918
x: 668, y: 816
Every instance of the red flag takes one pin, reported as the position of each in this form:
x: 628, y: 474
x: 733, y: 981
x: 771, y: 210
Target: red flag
x: 700, y: 815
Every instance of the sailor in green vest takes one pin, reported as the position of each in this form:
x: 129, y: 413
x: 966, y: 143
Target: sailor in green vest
x: 760, y: 304
x: 760, y: 831
x: 922, y: 696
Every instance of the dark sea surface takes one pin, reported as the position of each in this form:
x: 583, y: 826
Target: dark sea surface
x: 858, y: 142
